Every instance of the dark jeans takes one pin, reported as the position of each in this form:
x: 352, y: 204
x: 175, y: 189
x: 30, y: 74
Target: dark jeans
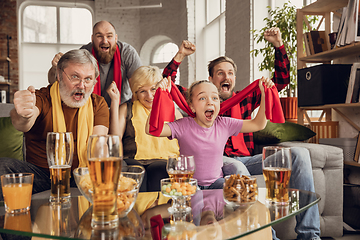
x: 154, y: 172
x: 41, y: 175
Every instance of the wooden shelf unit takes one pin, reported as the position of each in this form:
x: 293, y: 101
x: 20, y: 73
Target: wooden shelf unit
x: 7, y: 82
x: 324, y: 8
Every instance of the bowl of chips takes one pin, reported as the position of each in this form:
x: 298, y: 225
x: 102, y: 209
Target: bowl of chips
x: 129, y: 184
x: 83, y: 182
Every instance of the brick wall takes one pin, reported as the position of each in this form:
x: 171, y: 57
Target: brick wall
x: 8, y: 26
x: 237, y: 44
x: 136, y: 26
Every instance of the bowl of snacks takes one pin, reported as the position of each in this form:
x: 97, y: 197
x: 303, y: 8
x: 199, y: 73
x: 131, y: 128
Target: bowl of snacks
x: 83, y: 182
x: 180, y: 190
x: 240, y: 190
x: 171, y: 187
x: 129, y: 184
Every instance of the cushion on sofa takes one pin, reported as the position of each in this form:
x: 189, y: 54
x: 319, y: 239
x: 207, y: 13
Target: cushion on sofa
x: 282, y: 132
x: 11, y: 140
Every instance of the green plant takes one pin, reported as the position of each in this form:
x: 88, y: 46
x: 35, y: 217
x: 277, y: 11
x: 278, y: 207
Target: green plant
x: 285, y: 19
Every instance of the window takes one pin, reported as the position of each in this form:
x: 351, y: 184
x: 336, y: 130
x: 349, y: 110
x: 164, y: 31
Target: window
x: 214, y: 9
x: 210, y: 38
x: 47, y: 30
x: 163, y: 55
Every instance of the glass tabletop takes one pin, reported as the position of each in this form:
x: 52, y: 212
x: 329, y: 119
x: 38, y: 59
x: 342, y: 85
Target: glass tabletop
x: 210, y: 215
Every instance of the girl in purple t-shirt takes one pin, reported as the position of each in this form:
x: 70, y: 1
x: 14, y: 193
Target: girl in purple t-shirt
x: 205, y: 135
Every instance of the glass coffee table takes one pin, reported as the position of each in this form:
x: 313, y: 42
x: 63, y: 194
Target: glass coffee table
x: 210, y: 215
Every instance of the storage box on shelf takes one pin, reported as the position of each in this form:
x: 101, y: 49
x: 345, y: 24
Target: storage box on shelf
x: 323, y: 84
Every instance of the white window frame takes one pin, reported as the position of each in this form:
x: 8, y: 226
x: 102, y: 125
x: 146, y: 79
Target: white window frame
x: 89, y: 5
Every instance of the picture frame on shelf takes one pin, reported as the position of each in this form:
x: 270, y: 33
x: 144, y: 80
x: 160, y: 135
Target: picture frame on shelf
x: 353, y: 91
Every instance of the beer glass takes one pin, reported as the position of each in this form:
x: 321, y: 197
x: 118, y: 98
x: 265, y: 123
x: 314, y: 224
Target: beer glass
x: 59, y: 150
x: 276, y: 164
x: 105, y: 157
x: 182, y: 167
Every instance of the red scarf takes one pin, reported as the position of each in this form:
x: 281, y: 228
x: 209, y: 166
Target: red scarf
x: 273, y: 111
x: 163, y: 108
x: 117, y: 71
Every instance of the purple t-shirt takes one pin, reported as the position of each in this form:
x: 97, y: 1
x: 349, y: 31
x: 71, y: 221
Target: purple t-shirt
x: 205, y: 144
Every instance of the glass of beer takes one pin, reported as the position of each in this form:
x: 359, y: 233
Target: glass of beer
x: 180, y: 167
x: 59, y: 150
x: 105, y: 157
x: 276, y: 164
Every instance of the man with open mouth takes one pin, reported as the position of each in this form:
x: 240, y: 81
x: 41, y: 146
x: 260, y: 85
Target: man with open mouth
x: 116, y: 61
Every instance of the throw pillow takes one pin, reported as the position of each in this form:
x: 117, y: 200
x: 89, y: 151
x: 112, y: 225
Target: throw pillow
x: 11, y: 140
x: 282, y: 132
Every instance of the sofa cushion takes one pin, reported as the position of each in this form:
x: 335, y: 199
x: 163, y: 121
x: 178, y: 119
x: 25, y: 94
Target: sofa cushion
x: 282, y: 132
x: 11, y: 140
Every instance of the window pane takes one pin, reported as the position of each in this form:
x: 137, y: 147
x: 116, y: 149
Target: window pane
x: 39, y: 24
x: 223, y: 5
x: 213, y: 9
x: 165, y: 53
x: 76, y: 25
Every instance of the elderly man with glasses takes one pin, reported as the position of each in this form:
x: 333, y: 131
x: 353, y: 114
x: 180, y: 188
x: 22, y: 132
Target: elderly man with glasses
x: 37, y: 112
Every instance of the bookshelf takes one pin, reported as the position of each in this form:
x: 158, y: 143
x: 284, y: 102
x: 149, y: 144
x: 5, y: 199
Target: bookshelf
x: 324, y: 8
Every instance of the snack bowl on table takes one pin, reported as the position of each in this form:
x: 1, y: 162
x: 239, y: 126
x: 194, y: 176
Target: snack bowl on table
x: 175, y: 188
x: 180, y: 190
x: 83, y: 182
x: 129, y: 184
x: 240, y: 190
x: 128, y: 189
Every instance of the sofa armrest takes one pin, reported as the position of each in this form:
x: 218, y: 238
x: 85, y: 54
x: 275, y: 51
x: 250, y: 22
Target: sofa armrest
x: 327, y: 164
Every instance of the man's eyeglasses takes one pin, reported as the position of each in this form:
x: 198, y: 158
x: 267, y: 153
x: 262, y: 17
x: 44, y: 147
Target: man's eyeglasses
x: 75, y: 80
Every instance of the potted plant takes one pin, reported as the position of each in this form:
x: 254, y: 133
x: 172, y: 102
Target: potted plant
x: 284, y: 18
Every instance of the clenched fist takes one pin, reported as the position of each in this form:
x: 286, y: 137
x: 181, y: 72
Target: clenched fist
x: 24, y: 102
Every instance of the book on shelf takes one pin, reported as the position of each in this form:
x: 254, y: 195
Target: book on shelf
x: 352, y: 95
x: 349, y: 27
x: 357, y: 150
x: 320, y: 41
x: 356, y: 90
x: 306, y: 43
x: 340, y: 31
x: 310, y: 42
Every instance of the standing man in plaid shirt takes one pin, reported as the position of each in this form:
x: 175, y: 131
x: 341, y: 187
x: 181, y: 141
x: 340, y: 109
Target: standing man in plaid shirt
x: 222, y: 72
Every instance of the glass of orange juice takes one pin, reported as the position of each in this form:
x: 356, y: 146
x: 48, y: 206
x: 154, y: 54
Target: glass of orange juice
x: 17, y: 189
